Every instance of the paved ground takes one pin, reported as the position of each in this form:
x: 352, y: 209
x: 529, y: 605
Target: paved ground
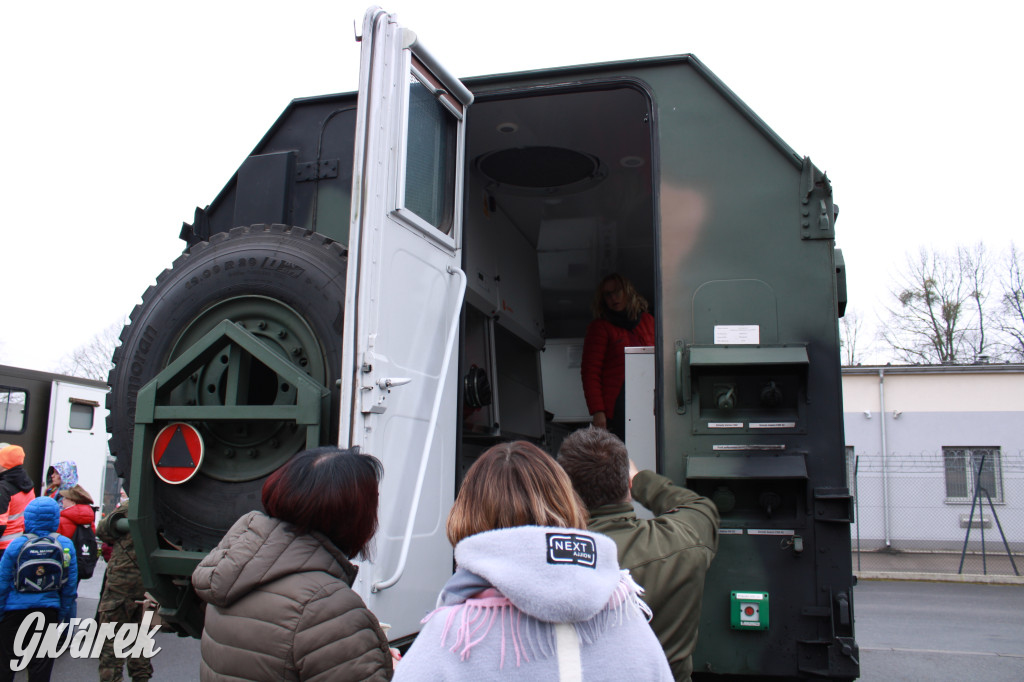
x: 909, y: 631
x: 993, y: 567
x: 178, y: 660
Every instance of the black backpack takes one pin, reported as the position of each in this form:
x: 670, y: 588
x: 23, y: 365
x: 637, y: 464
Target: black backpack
x: 41, y: 565
x: 86, y: 550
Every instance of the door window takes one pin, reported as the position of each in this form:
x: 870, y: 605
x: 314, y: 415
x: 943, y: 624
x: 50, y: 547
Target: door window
x: 430, y: 141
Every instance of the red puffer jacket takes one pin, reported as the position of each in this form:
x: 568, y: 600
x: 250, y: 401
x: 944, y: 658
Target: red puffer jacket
x: 603, y: 366
x: 75, y: 516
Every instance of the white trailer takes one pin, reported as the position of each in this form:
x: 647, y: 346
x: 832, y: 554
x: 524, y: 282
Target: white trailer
x: 57, y: 418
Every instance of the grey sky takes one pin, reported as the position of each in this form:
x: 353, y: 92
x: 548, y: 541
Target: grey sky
x: 121, y: 117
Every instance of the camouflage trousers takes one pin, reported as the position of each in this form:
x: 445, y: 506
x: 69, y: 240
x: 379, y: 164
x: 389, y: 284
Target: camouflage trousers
x: 110, y: 666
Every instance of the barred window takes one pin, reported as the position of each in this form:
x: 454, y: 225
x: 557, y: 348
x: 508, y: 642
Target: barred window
x: 962, y: 473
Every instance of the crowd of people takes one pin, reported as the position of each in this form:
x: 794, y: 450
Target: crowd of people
x: 48, y: 547
x: 556, y: 577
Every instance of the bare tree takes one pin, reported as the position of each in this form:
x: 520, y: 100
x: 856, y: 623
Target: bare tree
x: 974, y: 266
x: 92, y: 360
x: 1011, y: 304
x: 850, y: 327
x: 939, y: 312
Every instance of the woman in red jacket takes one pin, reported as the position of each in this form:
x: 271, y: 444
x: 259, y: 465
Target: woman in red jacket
x: 76, y: 511
x: 620, y: 320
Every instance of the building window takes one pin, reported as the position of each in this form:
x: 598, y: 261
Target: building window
x: 12, y: 409
x: 962, y: 474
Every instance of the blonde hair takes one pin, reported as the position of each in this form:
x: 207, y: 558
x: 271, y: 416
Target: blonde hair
x: 635, y: 303
x: 514, y: 484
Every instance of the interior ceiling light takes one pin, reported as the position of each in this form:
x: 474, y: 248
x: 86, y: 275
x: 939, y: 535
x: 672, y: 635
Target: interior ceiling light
x: 507, y: 127
x: 631, y: 161
x: 541, y: 170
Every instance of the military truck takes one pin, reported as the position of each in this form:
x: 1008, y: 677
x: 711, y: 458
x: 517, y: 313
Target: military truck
x: 409, y: 268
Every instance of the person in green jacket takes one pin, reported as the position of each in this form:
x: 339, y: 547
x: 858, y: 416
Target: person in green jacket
x: 121, y: 597
x: 667, y: 555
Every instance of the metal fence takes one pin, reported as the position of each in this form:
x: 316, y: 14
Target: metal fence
x: 959, y: 510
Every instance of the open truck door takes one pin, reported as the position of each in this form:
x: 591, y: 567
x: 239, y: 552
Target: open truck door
x: 404, y: 296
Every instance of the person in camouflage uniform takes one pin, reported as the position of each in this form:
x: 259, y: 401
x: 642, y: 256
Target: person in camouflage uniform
x: 120, y: 598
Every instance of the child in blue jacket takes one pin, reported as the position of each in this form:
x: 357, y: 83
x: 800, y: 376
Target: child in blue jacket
x: 42, y: 517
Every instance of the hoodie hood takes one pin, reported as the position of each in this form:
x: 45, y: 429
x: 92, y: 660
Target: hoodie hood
x: 16, y: 480
x: 557, y: 575
x: 260, y: 549
x: 68, y: 474
x: 42, y: 516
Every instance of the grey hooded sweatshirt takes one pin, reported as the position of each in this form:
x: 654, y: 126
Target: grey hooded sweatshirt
x: 537, y: 603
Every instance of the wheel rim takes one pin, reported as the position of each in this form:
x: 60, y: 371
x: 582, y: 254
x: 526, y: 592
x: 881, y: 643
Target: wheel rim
x: 246, y: 450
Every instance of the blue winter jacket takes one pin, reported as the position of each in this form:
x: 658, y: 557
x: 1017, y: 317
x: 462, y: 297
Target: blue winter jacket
x: 42, y: 516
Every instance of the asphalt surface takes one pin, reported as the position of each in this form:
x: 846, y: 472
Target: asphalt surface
x: 939, y: 631
x: 177, y: 660
x: 907, y: 631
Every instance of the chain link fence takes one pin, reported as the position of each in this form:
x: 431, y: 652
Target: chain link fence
x: 958, y: 510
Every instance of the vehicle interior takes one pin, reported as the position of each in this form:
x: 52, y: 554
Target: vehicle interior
x: 558, y: 195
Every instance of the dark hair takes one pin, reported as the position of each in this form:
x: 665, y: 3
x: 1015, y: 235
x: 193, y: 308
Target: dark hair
x: 514, y: 484
x: 331, y: 491
x: 597, y: 464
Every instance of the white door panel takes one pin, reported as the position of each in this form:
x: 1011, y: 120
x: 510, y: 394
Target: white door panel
x: 403, y: 301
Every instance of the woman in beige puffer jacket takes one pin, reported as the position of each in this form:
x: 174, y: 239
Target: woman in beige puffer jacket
x: 278, y: 586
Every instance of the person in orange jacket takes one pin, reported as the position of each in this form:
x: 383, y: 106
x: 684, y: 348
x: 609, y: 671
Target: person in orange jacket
x: 15, y: 494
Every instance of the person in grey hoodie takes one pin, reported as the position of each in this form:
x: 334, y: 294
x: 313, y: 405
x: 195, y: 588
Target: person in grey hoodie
x: 535, y: 596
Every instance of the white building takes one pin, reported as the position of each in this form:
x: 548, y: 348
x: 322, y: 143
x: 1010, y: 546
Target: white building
x: 917, y: 435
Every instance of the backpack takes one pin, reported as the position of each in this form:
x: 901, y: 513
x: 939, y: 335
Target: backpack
x: 41, y: 565
x: 86, y: 550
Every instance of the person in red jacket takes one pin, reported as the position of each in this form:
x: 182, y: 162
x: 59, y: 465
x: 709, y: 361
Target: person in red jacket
x: 620, y: 320
x: 77, y: 510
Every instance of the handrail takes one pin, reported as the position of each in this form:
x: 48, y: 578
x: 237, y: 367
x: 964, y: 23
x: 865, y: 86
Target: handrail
x: 421, y: 475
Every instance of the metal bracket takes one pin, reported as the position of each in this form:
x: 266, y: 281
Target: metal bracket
x: 833, y: 505
x: 817, y: 212
x: 311, y: 171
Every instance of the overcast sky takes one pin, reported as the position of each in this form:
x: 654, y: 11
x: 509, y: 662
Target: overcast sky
x: 119, y: 118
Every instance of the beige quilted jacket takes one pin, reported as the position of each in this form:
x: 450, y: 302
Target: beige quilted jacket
x: 280, y: 607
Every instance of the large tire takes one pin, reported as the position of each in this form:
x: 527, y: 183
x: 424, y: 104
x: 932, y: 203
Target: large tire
x: 284, y: 284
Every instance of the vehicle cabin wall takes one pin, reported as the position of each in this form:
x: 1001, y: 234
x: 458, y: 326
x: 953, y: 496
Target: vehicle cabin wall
x: 299, y: 174
x: 730, y: 209
x: 503, y: 292
x: 34, y: 416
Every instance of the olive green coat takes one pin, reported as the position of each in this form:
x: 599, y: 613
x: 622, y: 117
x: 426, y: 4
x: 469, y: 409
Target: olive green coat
x: 667, y: 555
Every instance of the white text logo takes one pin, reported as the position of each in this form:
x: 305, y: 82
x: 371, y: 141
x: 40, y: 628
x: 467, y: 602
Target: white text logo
x: 82, y: 638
